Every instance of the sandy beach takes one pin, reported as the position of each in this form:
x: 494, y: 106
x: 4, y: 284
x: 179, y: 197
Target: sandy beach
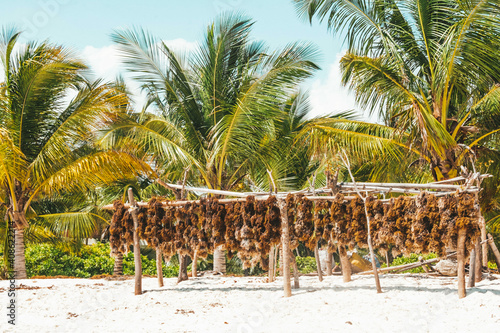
x: 410, y: 303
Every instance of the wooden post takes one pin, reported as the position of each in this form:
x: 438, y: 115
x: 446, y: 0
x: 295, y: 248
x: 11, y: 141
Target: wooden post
x: 318, y: 263
x: 137, y: 245
x: 345, y: 264
x: 194, y: 264
x: 285, y: 244
x: 372, y: 255
x: 478, y: 268
x: 472, y: 269
x: 159, y: 267
x: 345, y: 159
x: 484, y: 249
x: 296, y: 284
x: 461, y: 263
x: 275, y: 254
x: 329, y: 262
x: 271, y: 265
x: 421, y: 260
x: 494, y: 248
x: 280, y: 262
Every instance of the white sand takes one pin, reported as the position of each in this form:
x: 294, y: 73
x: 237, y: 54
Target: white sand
x: 410, y: 303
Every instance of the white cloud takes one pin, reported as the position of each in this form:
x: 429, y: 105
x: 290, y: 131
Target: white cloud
x: 328, y: 95
x: 181, y: 45
x: 105, y: 62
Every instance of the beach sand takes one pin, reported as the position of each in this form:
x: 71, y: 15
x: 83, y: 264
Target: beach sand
x: 409, y: 303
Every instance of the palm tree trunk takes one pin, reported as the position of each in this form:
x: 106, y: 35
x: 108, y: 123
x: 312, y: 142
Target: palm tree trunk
x: 118, y: 267
x: 345, y: 264
x: 19, y: 258
x: 219, y: 260
x: 182, y: 269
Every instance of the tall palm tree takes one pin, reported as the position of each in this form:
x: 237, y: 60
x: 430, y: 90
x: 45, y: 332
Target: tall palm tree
x: 428, y: 67
x: 213, y: 108
x: 46, y: 134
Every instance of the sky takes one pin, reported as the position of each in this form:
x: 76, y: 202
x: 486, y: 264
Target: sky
x: 86, y: 25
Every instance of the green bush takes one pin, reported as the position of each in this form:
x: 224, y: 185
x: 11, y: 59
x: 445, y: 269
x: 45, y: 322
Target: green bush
x: 411, y: 259
x: 306, y: 264
x: 50, y: 260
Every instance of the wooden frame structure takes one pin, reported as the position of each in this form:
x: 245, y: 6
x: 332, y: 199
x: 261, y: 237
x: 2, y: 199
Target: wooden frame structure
x: 326, y: 193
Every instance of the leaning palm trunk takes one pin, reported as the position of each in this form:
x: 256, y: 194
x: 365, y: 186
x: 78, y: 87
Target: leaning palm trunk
x: 118, y: 267
x: 219, y: 260
x: 19, y: 258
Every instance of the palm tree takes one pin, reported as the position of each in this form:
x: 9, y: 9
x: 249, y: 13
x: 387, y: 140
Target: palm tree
x: 428, y: 68
x: 213, y: 108
x: 46, y: 135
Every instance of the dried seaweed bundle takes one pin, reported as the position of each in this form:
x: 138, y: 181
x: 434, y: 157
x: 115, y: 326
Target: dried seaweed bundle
x: 304, y: 222
x: 117, y: 228
x: 340, y: 215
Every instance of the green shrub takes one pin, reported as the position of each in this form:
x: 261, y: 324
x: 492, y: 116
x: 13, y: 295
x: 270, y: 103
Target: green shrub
x: 50, y: 260
x: 411, y: 259
x: 306, y: 264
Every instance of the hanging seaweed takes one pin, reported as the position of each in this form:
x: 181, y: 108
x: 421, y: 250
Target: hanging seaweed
x: 467, y: 210
x: 376, y: 212
x: 292, y: 213
x: 340, y: 217
x: 426, y: 218
x: 304, y: 224
x: 357, y: 232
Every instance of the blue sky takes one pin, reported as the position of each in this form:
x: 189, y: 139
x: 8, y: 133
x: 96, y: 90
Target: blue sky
x: 86, y: 25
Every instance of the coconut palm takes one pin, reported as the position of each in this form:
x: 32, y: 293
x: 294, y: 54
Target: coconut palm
x: 49, y: 114
x: 428, y: 67
x: 214, y: 107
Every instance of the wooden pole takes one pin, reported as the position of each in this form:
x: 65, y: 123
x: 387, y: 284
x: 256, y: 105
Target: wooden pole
x: 421, y: 260
x: 275, y: 254
x: 318, y: 263
x: 194, y: 264
x: 296, y: 284
x: 159, y: 267
x: 430, y: 186
x: 484, y: 249
x: 345, y: 160
x: 404, y: 267
x: 461, y: 263
x: 285, y: 243
x: 345, y: 264
x: 494, y: 248
x: 271, y: 266
x: 472, y: 269
x: 478, y: 268
x: 137, y: 245
x: 329, y: 261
